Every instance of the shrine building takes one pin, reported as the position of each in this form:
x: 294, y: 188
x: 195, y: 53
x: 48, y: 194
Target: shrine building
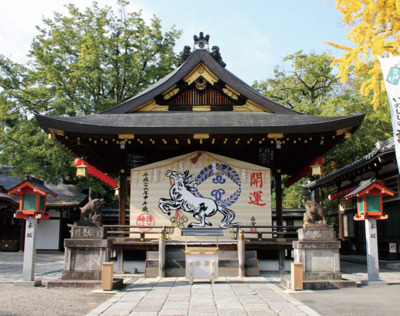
x: 228, y: 144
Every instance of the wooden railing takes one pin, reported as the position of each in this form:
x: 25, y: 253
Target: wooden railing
x: 137, y: 232
x: 260, y: 233
x: 267, y: 233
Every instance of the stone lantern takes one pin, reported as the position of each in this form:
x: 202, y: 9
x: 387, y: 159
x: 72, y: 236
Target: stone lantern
x: 369, y: 195
x: 32, y: 206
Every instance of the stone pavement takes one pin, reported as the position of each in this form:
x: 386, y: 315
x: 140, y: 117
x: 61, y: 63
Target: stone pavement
x: 228, y: 296
x: 234, y: 296
x: 48, y: 266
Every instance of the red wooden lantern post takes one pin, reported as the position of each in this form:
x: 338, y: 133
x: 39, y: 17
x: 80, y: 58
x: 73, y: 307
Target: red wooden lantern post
x: 369, y: 199
x: 32, y: 206
x: 369, y: 195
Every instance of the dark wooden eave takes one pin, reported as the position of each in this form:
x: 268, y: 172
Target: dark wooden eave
x: 177, y: 123
x: 162, y: 135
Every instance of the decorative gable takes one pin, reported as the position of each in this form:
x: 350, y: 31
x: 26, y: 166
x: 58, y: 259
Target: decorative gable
x: 200, y: 90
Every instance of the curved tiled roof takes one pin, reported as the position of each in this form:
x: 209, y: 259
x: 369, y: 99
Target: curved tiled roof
x: 67, y: 194
x: 180, y: 122
x: 382, y: 148
x: 180, y: 72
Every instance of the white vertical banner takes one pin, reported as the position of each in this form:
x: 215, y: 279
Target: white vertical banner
x: 391, y: 76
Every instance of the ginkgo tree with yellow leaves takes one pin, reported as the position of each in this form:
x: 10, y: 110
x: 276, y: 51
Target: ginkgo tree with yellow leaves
x: 374, y: 29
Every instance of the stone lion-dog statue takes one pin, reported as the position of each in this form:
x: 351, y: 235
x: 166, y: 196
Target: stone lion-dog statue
x: 91, y: 210
x: 312, y: 209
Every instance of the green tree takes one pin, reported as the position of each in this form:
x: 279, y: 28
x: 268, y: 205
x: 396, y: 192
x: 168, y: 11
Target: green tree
x: 80, y: 63
x: 90, y: 61
x: 305, y: 86
x: 310, y: 87
x: 376, y: 125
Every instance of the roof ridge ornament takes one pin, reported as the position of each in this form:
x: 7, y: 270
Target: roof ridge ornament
x: 217, y: 55
x: 201, y: 42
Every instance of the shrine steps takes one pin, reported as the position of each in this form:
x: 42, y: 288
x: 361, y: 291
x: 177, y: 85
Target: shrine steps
x: 251, y: 263
x: 175, y: 263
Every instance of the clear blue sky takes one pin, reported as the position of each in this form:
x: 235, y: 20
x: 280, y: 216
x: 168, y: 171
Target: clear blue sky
x: 253, y: 35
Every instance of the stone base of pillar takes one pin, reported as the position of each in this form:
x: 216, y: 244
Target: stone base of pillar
x: 372, y: 283
x: 28, y: 283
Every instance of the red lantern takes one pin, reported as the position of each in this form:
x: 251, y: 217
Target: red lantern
x: 79, y: 163
x: 32, y: 200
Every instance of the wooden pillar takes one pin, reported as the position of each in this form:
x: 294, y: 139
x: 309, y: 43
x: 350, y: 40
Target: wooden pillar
x: 241, y: 254
x: 120, y: 260
x: 161, y: 256
x: 122, y: 199
x: 340, y: 218
x: 281, y: 259
x: 279, y: 218
x: 278, y: 192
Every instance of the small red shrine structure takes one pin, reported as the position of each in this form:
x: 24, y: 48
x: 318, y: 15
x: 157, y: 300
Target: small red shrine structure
x: 369, y: 199
x: 32, y: 202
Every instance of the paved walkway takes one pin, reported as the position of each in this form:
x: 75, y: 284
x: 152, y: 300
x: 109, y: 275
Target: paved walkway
x: 228, y: 296
x: 48, y: 265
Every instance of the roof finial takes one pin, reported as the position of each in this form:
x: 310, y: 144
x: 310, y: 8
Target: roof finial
x: 201, y: 42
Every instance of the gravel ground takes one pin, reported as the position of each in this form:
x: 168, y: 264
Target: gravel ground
x: 39, y: 301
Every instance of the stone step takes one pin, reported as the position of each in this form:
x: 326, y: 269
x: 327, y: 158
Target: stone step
x: 152, y: 255
x: 252, y: 271
x: 250, y: 254
x: 151, y: 263
x: 171, y: 255
x: 175, y: 264
x: 228, y: 272
x: 251, y: 262
x: 151, y: 272
x: 181, y: 272
x: 227, y: 255
x: 228, y: 264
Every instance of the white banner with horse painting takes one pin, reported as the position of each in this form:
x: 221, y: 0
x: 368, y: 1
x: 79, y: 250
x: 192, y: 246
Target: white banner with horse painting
x: 200, y: 189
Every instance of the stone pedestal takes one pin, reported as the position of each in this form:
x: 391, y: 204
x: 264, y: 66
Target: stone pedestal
x: 85, y: 253
x: 318, y: 251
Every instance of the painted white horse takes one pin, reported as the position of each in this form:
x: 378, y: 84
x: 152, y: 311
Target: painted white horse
x: 182, y: 197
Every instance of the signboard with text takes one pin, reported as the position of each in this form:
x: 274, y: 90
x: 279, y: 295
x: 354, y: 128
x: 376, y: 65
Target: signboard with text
x: 201, y: 190
x: 391, y: 75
